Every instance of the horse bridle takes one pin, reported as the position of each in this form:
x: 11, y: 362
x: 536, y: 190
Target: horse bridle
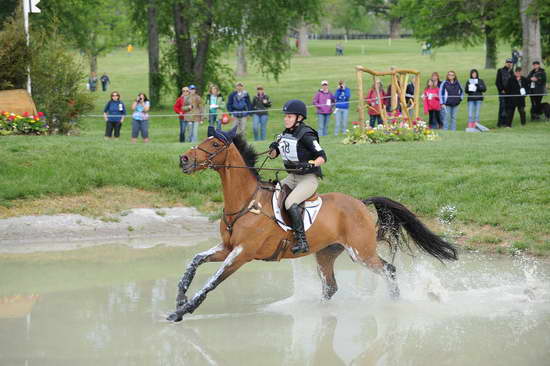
x: 208, y: 163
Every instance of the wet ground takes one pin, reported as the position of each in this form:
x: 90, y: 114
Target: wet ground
x: 106, y: 306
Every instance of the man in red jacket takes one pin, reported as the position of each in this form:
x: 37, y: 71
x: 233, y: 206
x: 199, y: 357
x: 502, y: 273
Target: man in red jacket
x: 180, y: 107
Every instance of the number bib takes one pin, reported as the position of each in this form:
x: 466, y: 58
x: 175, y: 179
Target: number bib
x: 288, y: 148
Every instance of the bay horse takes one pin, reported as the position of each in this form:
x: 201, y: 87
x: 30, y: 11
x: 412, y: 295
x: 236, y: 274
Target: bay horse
x: 249, y: 230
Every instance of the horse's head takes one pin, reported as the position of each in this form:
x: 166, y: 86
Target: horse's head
x: 209, y: 153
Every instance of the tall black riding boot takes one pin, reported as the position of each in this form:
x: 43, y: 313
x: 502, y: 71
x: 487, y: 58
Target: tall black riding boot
x: 298, y: 227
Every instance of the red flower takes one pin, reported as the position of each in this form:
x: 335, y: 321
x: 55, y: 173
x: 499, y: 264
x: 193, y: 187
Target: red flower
x: 11, y: 117
x: 25, y: 114
x: 40, y: 114
x: 36, y: 118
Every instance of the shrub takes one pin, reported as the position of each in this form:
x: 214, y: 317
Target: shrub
x: 58, y: 82
x: 14, y: 54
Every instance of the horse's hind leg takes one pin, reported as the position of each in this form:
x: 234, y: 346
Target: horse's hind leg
x: 325, y: 267
x: 377, y: 265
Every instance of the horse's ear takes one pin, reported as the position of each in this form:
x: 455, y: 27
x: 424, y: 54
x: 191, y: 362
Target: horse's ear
x: 211, y: 131
x: 232, y: 133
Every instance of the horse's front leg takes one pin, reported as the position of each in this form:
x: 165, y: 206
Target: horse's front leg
x: 234, y: 261
x: 215, y: 254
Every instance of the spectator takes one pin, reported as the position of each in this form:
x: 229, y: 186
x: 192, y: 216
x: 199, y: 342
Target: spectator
x: 195, y: 102
x: 238, y: 104
x: 324, y: 103
x: 114, y: 113
x: 339, y: 49
x: 475, y: 87
x: 515, y: 57
x: 517, y: 90
x: 437, y: 82
x: 181, y: 107
x: 260, y: 105
x: 450, y: 96
x: 92, y: 82
x: 104, y: 81
x: 376, y: 100
x: 432, y: 105
x: 503, y: 76
x: 140, y: 118
x: 130, y: 49
x: 537, y: 87
x: 214, y: 103
x: 342, y: 96
x: 409, y: 95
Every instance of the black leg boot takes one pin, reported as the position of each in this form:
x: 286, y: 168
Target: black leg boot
x: 298, y: 227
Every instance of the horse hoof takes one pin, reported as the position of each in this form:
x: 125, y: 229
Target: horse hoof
x: 175, y: 317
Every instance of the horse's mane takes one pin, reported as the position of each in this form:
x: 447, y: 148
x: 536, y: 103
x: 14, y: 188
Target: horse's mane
x: 248, y: 153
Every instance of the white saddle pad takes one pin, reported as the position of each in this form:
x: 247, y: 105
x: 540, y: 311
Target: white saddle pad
x: 312, y: 208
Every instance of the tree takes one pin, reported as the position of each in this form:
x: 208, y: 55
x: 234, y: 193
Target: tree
x: 461, y: 21
x: 388, y: 9
x: 7, y: 10
x: 95, y: 27
x: 348, y: 16
x: 203, y: 29
x: 14, y: 53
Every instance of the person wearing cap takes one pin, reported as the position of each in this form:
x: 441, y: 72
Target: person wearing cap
x: 299, y: 147
x: 181, y: 107
x: 195, y: 113
x: 260, y: 114
x: 342, y: 96
x: 503, y: 76
x: 324, y: 103
x: 537, y: 89
x: 238, y: 104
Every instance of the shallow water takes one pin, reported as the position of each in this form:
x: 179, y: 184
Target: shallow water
x: 93, y: 309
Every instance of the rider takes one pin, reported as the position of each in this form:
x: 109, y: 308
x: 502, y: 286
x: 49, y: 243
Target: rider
x: 299, y: 147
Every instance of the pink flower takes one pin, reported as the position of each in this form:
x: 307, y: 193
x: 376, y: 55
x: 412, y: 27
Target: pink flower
x: 25, y: 114
x: 40, y: 114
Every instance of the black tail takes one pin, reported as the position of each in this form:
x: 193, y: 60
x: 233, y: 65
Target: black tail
x: 392, y: 216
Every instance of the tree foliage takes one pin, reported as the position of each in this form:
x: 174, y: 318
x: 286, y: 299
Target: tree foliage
x: 94, y: 27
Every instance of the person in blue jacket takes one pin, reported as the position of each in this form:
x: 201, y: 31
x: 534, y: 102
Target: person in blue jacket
x: 450, y: 96
x: 238, y: 104
x: 342, y: 96
x: 114, y: 113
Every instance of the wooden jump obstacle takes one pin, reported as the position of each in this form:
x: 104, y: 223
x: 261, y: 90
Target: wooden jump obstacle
x: 399, y: 81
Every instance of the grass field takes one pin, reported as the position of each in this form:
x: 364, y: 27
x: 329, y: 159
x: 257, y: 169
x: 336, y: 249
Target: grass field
x: 498, y: 180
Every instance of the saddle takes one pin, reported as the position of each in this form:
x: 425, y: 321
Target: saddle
x: 285, y: 191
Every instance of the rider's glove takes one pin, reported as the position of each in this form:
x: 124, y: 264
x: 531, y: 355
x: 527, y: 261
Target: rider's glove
x: 274, y: 146
x: 303, y: 166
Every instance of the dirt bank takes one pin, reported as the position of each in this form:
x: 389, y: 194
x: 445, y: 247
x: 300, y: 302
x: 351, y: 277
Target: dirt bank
x: 139, y: 228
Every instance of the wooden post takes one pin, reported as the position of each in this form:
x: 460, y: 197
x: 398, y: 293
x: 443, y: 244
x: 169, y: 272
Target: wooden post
x: 361, y: 105
x: 417, y: 96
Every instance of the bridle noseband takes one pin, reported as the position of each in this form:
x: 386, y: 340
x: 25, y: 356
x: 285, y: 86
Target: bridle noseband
x: 208, y: 163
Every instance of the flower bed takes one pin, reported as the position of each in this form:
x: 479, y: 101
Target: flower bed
x: 14, y: 124
x: 396, y: 129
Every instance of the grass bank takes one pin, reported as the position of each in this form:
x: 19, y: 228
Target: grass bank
x: 498, y: 180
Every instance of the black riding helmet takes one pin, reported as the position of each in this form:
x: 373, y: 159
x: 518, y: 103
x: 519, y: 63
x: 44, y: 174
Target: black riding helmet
x: 295, y: 106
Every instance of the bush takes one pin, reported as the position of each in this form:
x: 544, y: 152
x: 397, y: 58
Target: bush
x: 14, y: 54
x: 58, y: 82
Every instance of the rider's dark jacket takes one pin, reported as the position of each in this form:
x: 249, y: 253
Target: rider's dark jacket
x: 300, y: 144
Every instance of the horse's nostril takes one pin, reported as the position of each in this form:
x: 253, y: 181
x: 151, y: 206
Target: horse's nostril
x: 184, y: 158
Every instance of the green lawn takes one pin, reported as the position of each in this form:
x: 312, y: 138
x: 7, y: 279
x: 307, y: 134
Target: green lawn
x: 501, y: 178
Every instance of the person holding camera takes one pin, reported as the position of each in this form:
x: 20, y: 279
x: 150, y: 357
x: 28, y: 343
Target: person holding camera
x: 342, y: 96
x: 140, y: 118
x: 260, y: 114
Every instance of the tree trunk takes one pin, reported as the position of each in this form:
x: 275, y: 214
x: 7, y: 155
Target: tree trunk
x: 241, y: 69
x: 395, y: 28
x: 302, y: 37
x: 490, y: 48
x: 531, y: 35
x: 184, y: 48
x: 155, y: 79
x: 93, y: 62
